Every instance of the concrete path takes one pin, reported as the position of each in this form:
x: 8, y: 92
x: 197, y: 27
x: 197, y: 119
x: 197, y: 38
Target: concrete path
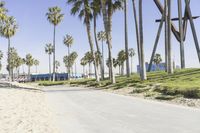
x: 81, y: 110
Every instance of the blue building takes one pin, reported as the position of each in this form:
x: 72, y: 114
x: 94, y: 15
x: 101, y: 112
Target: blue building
x: 43, y: 77
x: 154, y: 67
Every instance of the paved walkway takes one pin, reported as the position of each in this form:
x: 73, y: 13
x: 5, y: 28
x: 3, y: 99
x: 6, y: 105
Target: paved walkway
x: 81, y: 110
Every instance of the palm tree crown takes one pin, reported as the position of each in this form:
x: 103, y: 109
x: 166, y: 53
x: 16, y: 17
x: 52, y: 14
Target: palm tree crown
x: 68, y: 40
x: 54, y: 15
x: 9, y: 28
x: 49, y: 49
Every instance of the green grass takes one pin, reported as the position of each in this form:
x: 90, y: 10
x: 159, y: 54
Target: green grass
x: 183, y: 82
x: 49, y: 83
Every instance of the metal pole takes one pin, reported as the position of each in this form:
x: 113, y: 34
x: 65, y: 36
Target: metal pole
x: 156, y: 42
x: 170, y: 64
x: 193, y: 28
x: 182, y: 53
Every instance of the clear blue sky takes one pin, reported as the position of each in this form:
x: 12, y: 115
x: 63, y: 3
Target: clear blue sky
x: 35, y: 31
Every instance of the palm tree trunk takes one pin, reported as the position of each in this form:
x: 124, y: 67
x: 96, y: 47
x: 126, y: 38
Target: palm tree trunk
x: 54, y: 53
x: 29, y: 78
x: 126, y: 39
x: 49, y: 67
x: 69, y: 69
x: 143, y: 67
x: 107, y: 19
x: 102, y: 54
x: 9, y: 67
x: 88, y: 28
x: 97, y: 46
x: 137, y: 33
x: 131, y: 64
x: 122, y: 69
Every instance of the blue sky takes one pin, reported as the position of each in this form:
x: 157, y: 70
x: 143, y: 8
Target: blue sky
x: 35, y: 31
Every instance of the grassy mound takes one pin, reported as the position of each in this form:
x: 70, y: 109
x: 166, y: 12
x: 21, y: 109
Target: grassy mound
x: 183, y: 82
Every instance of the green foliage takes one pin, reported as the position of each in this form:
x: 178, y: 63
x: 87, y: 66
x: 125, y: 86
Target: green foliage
x: 49, y: 49
x: 54, y: 15
x: 29, y: 60
x: 9, y: 27
x: 68, y: 40
x: 49, y: 83
x: 184, y: 82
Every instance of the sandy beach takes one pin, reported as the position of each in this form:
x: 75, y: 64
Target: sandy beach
x: 24, y: 111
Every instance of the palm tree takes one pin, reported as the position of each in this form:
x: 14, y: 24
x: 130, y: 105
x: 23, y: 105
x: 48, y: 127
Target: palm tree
x: 13, y: 61
x: 108, y: 7
x: 89, y: 58
x: 8, y: 30
x: 54, y: 16
x: 126, y: 39
x: 83, y: 63
x: 57, y: 64
x: 29, y: 62
x: 36, y: 63
x: 157, y: 60
x: 18, y: 63
x: 3, y: 12
x: 102, y: 37
x: 73, y: 57
x: 1, y: 56
x: 96, y: 9
x: 143, y: 67
x: 49, y: 51
x: 131, y: 54
x: 83, y: 9
x: 68, y: 41
x: 121, y: 59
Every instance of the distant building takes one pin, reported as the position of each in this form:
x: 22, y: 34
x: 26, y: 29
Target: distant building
x: 44, y: 77
x: 154, y: 67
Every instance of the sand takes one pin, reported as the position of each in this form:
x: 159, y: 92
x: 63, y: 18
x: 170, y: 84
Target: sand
x: 25, y: 111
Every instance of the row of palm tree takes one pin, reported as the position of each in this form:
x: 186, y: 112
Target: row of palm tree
x: 90, y: 10
x: 8, y: 28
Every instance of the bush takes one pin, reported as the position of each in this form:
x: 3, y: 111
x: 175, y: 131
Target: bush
x: 51, y: 83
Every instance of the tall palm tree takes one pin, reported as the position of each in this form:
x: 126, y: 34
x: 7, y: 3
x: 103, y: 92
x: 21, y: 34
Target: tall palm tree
x: 143, y: 67
x: 126, y: 39
x: 96, y: 9
x: 108, y: 8
x: 83, y: 9
x: 49, y: 51
x: 8, y: 30
x: 102, y: 37
x: 54, y: 16
x: 36, y: 63
x: 68, y: 41
x: 29, y: 63
x: 131, y: 52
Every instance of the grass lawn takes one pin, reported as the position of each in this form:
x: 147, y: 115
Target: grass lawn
x: 183, y: 82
